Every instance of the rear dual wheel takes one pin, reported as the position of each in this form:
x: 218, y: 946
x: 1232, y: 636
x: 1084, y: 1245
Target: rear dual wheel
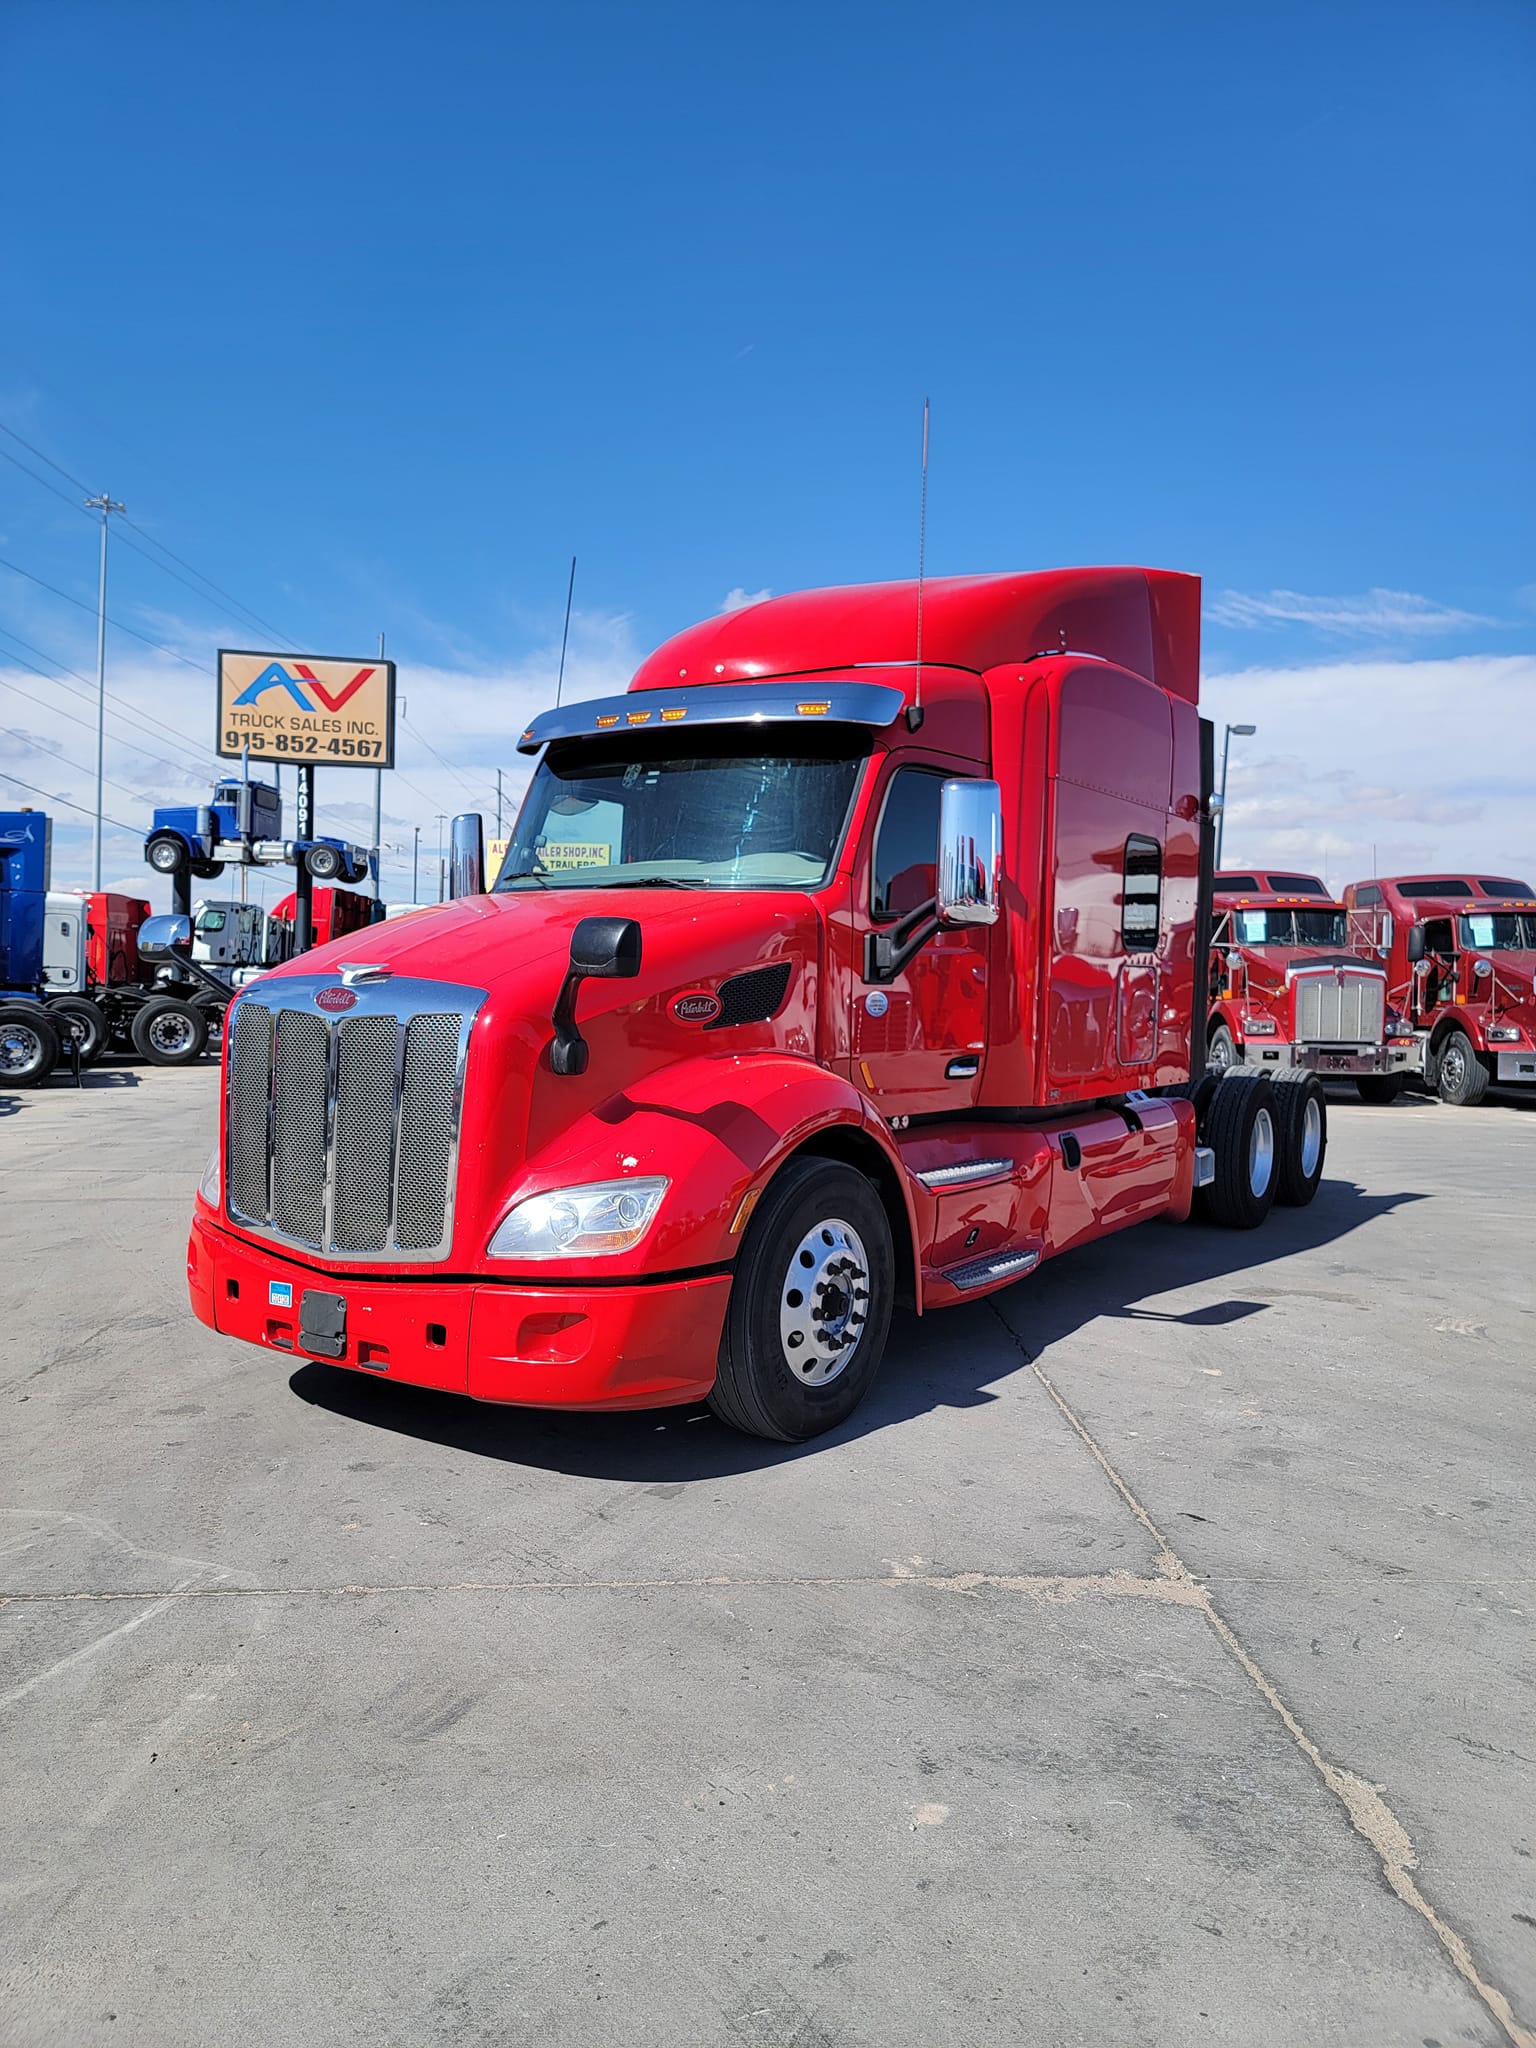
x: 1301, y: 1131
x: 29, y: 1045
x: 810, y: 1304
x: 82, y: 1023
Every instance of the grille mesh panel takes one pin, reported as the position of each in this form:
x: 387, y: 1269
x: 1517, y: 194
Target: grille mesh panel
x: 426, y: 1130
x: 249, y: 1079
x: 298, y: 1138
x: 1346, y: 1012
x: 364, y: 1137
x: 751, y: 997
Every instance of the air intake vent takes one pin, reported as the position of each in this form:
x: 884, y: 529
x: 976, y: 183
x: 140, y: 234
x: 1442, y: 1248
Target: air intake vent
x: 752, y: 997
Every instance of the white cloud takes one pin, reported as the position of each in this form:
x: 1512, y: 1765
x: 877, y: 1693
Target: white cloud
x: 1403, y: 765
x: 738, y: 599
x: 1376, y: 614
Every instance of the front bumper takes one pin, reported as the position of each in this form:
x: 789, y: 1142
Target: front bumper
x: 1515, y: 1066
x: 1403, y: 1057
x: 625, y: 1346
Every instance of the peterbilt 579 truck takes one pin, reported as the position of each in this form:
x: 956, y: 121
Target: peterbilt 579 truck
x: 813, y: 979
x: 1286, y: 990
x: 1459, y: 954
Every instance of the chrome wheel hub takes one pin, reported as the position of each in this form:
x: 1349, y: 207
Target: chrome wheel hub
x: 170, y: 1034
x: 824, y: 1302
x: 20, y: 1049
x: 1261, y: 1152
x: 1311, y: 1137
x: 1453, y: 1067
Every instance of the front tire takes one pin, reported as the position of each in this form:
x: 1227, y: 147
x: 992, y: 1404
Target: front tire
x: 1301, y: 1129
x: 170, y: 1033
x: 29, y: 1045
x: 1221, y: 1054
x: 166, y: 854
x: 1461, y: 1078
x: 1240, y: 1129
x: 1380, y: 1088
x: 810, y: 1305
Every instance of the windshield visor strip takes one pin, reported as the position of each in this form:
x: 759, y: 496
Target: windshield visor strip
x: 835, y: 703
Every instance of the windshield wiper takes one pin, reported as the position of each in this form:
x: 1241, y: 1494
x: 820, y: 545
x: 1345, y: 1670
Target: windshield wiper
x: 523, y: 875
x: 650, y: 882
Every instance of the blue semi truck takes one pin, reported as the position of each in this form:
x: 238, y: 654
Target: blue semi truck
x: 243, y: 825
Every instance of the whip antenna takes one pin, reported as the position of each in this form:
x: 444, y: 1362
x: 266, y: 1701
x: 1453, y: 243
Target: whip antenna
x: 570, y: 590
x: 915, y: 709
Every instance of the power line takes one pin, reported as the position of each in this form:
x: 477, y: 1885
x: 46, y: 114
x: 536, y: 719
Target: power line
x: 63, y: 472
x: 129, y: 715
x: 59, y: 712
x: 19, y: 464
x: 28, y: 740
x: 6, y: 776
x: 266, y: 625
x: 463, y: 784
x: 81, y: 605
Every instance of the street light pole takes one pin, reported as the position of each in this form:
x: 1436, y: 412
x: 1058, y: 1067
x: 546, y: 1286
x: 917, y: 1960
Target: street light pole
x: 378, y: 825
x: 415, y: 862
x: 442, y: 819
x: 1243, y: 732
x: 105, y: 506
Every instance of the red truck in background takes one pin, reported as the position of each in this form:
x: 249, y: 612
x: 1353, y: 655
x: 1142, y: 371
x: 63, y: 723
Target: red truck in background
x: 333, y: 913
x: 814, y: 978
x: 1286, y: 990
x: 1459, y: 953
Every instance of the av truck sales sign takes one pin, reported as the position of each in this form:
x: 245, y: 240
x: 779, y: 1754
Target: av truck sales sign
x: 306, y: 708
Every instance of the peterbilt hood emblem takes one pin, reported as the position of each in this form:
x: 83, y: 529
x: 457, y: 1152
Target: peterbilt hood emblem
x: 698, y: 1006
x: 335, y: 999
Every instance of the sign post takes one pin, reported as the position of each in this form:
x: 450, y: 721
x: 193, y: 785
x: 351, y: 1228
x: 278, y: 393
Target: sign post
x: 304, y: 881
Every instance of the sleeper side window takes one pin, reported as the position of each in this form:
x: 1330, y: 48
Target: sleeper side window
x: 1141, y: 895
x: 904, y: 872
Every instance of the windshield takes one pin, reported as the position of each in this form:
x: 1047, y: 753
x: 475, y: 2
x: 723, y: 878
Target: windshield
x: 1290, y: 927
x: 728, y: 809
x: 1500, y: 931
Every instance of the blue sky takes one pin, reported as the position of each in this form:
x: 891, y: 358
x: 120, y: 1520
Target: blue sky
x: 377, y: 313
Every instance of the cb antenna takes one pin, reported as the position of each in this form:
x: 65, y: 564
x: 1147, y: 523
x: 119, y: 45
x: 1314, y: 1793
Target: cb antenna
x: 915, y: 708
x: 570, y: 591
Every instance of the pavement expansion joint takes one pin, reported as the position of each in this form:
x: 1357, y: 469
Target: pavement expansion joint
x: 1368, y: 1812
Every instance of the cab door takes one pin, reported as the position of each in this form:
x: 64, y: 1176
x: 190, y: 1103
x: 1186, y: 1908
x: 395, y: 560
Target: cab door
x: 918, y: 1039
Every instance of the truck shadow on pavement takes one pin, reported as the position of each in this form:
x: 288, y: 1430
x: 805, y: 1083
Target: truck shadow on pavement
x: 953, y: 1360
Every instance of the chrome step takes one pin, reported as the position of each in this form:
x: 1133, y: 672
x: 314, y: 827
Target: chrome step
x: 967, y: 1170
x: 995, y: 1266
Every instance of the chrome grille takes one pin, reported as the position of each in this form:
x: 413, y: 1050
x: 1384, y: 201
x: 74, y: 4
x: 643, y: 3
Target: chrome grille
x: 342, y: 1131
x: 1347, y: 1010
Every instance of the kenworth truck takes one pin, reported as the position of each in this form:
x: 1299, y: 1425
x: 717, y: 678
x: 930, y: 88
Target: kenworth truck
x: 1459, y: 952
x: 814, y: 978
x: 1286, y: 991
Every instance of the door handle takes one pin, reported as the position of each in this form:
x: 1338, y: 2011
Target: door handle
x: 965, y: 1068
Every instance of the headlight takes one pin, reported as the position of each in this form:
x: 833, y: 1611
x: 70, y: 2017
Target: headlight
x: 208, y: 1186
x: 579, y: 1223
x: 1505, y: 1034
x: 1258, y: 1027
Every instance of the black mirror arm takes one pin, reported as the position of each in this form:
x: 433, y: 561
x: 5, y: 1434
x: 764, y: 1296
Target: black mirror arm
x: 887, y: 953
x: 570, y: 1051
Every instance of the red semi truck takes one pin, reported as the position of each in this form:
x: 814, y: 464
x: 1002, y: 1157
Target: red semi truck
x: 812, y: 979
x: 1286, y: 990
x: 1459, y: 953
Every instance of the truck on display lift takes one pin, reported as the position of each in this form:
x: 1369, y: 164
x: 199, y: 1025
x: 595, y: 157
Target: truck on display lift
x: 1286, y: 990
x: 1459, y: 953
x: 242, y: 825
x: 814, y: 978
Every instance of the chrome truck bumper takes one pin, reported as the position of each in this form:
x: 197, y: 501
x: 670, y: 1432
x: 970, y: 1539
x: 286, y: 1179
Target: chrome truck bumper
x: 1405, y: 1057
x: 1516, y: 1067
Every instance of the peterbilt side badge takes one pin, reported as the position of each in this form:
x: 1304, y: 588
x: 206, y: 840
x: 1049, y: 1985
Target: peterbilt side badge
x: 698, y: 1006
x: 336, y: 999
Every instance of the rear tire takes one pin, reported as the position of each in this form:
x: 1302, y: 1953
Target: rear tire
x: 1222, y: 1054
x: 170, y: 1033
x: 810, y: 1305
x: 1301, y: 1128
x: 1461, y: 1078
x: 29, y: 1045
x: 1380, y: 1087
x: 323, y: 862
x: 1240, y: 1129
x: 78, y: 1018
x: 205, y: 870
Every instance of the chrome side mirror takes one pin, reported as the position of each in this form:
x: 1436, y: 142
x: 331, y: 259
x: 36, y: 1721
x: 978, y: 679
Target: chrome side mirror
x: 970, y: 853
x: 466, y: 856
x: 162, y: 938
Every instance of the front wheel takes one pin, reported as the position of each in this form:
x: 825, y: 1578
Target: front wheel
x: 1462, y: 1079
x: 29, y: 1045
x: 1380, y: 1088
x: 1222, y: 1053
x: 166, y: 854
x: 170, y: 1033
x: 810, y: 1304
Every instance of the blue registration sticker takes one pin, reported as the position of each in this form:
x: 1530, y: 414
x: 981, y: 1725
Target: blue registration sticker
x: 280, y: 1293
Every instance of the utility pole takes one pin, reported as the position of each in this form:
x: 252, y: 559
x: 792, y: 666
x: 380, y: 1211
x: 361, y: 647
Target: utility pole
x: 378, y: 826
x: 442, y: 818
x: 1243, y: 732
x: 415, y: 863
x: 498, y: 803
x: 106, y: 506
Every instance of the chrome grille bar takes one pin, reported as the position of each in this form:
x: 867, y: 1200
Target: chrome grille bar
x: 342, y: 1131
x: 1349, y: 1009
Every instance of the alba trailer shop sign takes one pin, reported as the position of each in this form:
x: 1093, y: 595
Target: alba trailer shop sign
x: 306, y: 708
